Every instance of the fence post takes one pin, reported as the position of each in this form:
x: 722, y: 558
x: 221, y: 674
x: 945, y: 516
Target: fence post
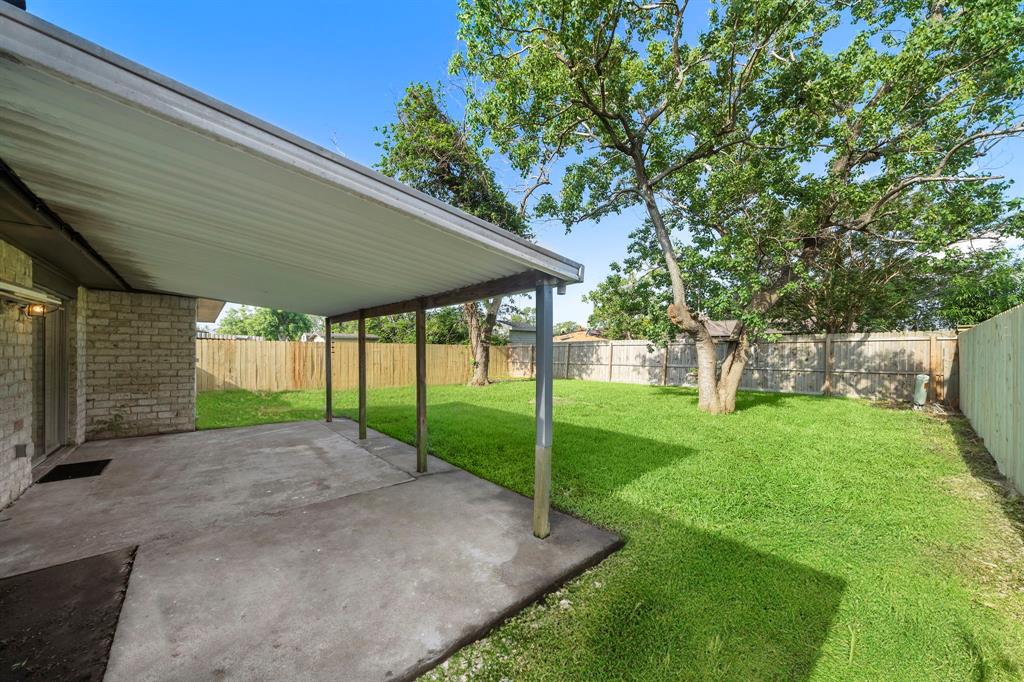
x: 933, y: 374
x: 664, y: 364
x: 568, y: 349
x: 533, y: 361
x: 826, y: 389
x: 611, y: 356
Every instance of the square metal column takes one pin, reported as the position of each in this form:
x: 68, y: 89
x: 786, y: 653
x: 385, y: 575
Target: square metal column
x: 544, y: 402
x: 329, y: 406
x: 421, y: 390
x: 362, y: 375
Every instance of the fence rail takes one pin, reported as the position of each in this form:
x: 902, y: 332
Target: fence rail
x: 992, y: 370
x: 877, y: 366
x: 294, y: 365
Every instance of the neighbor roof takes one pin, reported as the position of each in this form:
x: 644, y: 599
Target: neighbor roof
x: 177, y: 192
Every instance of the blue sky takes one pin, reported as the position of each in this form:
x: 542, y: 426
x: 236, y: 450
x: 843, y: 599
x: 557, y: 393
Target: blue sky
x: 330, y: 72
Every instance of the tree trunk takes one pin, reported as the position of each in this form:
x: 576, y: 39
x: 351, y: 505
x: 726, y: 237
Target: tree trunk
x: 731, y: 373
x: 707, y: 372
x: 717, y: 386
x: 481, y: 329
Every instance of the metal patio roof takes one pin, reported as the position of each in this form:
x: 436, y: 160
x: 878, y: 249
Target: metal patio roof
x: 180, y: 193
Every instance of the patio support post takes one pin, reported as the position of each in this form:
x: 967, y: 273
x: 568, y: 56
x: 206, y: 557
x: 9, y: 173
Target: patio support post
x: 362, y: 375
x: 542, y: 451
x: 329, y: 403
x: 421, y: 390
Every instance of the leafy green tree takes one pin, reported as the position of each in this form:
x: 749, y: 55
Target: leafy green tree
x: 567, y: 327
x: 992, y: 281
x: 523, y: 315
x: 447, y: 325
x: 276, y: 325
x: 444, y: 326
x: 427, y: 149
x: 755, y: 151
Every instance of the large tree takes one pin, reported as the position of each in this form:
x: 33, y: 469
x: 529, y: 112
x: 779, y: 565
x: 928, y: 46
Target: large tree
x: 427, y: 149
x: 753, y: 148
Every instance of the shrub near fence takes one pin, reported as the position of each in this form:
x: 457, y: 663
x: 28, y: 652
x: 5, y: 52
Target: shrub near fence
x: 992, y: 384
x: 295, y: 365
x: 876, y: 366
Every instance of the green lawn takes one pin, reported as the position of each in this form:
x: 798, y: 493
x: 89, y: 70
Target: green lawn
x: 800, y: 538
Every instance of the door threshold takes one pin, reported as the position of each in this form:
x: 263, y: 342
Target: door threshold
x: 43, y: 466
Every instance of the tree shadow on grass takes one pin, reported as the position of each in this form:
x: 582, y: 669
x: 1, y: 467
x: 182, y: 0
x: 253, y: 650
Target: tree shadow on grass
x: 744, y: 399
x: 677, y: 602
x: 691, y: 604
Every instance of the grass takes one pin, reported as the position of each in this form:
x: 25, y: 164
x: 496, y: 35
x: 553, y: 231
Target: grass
x: 800, y: 538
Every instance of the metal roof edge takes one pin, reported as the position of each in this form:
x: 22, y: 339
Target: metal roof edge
x: 321, y: 163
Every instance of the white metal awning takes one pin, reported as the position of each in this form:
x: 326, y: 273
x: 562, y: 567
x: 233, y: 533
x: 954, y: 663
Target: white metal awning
x: 180, y: 193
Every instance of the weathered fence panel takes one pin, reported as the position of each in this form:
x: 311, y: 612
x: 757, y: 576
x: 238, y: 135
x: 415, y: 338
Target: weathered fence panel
x: 877, y: 366
x: 294, y: 365
x: 991, y: 387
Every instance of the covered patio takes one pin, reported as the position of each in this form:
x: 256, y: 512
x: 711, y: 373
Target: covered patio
x: 139, y: 183
x: 313, y: 550
x: 292, y: 551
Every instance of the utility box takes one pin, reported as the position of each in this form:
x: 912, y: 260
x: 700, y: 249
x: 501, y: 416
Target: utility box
x: 921, y: 390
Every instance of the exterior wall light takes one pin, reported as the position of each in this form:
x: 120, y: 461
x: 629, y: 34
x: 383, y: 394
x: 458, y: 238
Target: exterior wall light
x: 31, y: 302
x: 36, y: 310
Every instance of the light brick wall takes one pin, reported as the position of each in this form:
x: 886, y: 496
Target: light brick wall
x: 16, y: 402
x: 139, y: 363
x: 76, y: 379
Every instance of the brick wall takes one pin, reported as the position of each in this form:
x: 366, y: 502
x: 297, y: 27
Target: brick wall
x: 138, y: 364
x: 76, y: 379
x: 16, y: 403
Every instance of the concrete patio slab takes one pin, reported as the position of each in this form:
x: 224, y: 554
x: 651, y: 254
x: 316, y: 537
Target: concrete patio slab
x: 396, y: 453
x: 160, y: 486
x: 377, y: 578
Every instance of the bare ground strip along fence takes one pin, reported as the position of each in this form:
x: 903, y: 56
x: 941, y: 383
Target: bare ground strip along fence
x: 877, y: 366
x: 992, y: 388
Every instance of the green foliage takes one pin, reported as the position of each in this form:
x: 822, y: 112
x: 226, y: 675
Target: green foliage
x: 426, y: 149
x: 877, y: 289
x: 630, y: 306
x: 980, y: 286
x: 524, y: 315
x: 444, y: 326
x: 800, y: 538
x: 771, y: 167
x: 275, y: 325
x: 566, y: 327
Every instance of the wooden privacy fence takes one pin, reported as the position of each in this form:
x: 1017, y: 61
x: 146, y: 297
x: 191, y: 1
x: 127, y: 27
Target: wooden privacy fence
x: 877, y: 366
x: 992, y: 381
x: 295, y: 365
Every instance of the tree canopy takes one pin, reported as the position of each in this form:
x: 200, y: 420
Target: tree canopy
x: 444, y: 326
x: 763, y: 157
x: 941, y: 291
x: 427, y: 149
x: 275, y: 325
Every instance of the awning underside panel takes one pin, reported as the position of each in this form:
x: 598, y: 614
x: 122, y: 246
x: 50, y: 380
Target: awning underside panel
x: 172, y: 210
